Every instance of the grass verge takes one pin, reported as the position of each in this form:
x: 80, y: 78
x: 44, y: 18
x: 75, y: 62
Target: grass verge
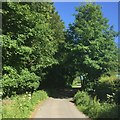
x: 21, y: 106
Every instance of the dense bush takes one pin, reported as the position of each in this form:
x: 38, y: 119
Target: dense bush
x: 18, y: 83
x: 82, y: 98
x: 28, y: 81
x: 21, y: 106
x: 9, y: 82
x: 108, y: 88
x: 93, y: 108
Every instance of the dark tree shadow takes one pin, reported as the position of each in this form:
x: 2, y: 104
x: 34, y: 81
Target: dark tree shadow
x: 61, y: 93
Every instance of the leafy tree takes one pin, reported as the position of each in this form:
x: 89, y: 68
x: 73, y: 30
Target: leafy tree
x: 30, y: 42
x: 55, y: 73
x: 92, y: 40
x: 119, y: 58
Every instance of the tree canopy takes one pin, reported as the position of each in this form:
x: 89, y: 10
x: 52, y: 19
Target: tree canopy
x: 92, y: 40
x: 37, y: 48
x: 30, y: 42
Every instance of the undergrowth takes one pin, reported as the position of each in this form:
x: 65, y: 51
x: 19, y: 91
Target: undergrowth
x: 93, y: 108
x: 21, y: 106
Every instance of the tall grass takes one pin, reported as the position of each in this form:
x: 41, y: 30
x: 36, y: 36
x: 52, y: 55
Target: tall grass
x: 21, y: 106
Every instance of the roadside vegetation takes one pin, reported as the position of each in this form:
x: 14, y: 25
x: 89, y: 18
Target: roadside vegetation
x: 102, y: 101
x: 31, y: 41
x: 39, y: 53
x: 97, y: 63
x: 95, y: 109
x: 21, y: 106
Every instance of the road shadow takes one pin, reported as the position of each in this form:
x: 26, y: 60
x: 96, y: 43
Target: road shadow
x: 62, y: 93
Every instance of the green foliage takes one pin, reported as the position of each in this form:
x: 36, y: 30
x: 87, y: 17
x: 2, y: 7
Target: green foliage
x: 82, y: 98
x: 38, y: 52
x: 30, y: 43
x: 22, y: 106
x: 28, y: 81
x: 39, y: 95
x: 14, y: 83
x: 93, y: 108
x: 76, y: 81
x: 31, y: 31
x: 91, y: 43
x: 9, y: 82
x: 119, y: 58
x: 108, y: 88
x: 109, y: 111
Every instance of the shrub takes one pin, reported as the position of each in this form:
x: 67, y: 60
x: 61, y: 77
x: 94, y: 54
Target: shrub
x: 28, y: 81
x: 93, y: 108
x: 108, y: 89
x: 9, y: 82
x: 109, y: 111
x: 82, y: 98
x: 13, y: 82
x: 39, y: 95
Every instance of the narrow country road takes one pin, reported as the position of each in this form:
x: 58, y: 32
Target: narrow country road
x: 58, y: 107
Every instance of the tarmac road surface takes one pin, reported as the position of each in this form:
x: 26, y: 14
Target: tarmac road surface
x: 58, y: 108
